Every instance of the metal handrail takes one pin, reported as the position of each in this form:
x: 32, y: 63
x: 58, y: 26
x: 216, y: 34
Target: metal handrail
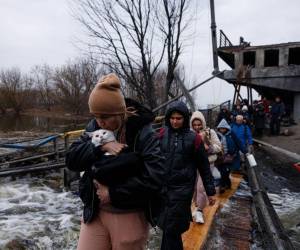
x: 290, y: 154
x: 276, y: 237
x: 28, y: 145
x: 189, y: 90
x: 31, y: 168
x: 224, y: 40
x: 72, y: 133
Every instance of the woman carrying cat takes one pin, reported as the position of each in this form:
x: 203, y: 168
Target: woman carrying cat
x: 119, y: 206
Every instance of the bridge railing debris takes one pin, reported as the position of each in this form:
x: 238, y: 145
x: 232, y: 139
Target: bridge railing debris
x: 38, y: 160
x: 274, y: 235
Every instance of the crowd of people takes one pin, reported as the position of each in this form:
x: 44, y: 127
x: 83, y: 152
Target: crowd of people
x: 135, y: 177
x: 263, y: 114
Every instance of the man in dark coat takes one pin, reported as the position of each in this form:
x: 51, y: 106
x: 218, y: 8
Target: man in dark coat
x: 223, y: 114
x: 185, y: 153
x: 277, y: 110
x: 259, y: 119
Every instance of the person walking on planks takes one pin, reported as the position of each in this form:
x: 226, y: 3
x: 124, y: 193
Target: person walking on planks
x: 185, y: 153
x: 117, y: 207
x: 231, y: 157
x: 212, y: 146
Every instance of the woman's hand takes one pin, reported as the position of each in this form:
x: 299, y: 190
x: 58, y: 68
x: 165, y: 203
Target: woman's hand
x: 113, y: 148
x: 102, y: 192
x: 250, y: 149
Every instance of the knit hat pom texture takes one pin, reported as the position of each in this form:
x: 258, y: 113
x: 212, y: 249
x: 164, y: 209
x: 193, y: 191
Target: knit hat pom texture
x: 106, y: 97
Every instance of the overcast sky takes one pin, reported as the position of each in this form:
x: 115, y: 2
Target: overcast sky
x: 34, y: 32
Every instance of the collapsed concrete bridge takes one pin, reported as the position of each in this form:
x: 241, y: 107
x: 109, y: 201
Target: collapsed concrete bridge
x: 272, y: 70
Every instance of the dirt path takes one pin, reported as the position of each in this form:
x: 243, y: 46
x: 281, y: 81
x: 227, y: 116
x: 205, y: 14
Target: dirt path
x: 290, y: 142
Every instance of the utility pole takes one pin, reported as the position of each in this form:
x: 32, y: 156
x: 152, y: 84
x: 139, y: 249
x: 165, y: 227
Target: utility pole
x: 214, y: 37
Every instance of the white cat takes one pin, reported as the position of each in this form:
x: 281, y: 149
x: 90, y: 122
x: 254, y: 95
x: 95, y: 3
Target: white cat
x: 102, y: 136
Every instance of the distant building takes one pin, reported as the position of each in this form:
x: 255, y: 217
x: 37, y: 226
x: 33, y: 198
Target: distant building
x: 269, y: 69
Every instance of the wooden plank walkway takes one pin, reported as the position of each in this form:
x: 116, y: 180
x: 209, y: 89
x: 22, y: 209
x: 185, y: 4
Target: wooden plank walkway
x: 195, y: 237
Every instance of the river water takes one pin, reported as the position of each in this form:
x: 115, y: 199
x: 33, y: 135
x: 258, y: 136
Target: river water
x: 282, y: 183
x: 287, y: 206
x: 37, y: 213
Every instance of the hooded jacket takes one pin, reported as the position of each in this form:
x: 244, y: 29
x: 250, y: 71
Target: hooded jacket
x: 139, y: 188
x: 184, y: 152
x: 208, y: 133
x: 231, y: 144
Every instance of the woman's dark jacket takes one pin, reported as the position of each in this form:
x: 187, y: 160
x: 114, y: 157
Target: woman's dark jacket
x: 223, y: 114
x: 259, y: 116
x: 277, y: 110
x: 136, y: 188
x: 185, y: 153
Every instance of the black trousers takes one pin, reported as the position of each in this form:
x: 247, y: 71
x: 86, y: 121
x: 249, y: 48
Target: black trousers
x: 275, y: 126
x: 225, y: 172
x: 171, y: 241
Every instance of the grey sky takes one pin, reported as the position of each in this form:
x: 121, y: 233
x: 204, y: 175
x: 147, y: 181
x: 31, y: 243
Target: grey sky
x: 36, y: 32
x: 43, y: 31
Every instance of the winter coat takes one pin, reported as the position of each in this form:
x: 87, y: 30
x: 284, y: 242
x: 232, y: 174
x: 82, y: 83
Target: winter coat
x: 277, y: 110
x: 185, y: 153
x: 136, y: 189
x: 231, y: 144
x: 246, y: 117
x: 243, y: 132
x: 208, y: 134
x: 259, y: 116
x: 266, y: 104
x: 223, y: 114
x: 234, y: 113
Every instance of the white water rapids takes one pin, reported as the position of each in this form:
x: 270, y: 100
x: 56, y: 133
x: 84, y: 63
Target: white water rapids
x: 287, y: 206
x: 35, y: 216
x: 36, y: 213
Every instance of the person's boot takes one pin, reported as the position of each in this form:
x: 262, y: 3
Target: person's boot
x: 199, y: 218
x: 228, y: 184
x: 222, y: 189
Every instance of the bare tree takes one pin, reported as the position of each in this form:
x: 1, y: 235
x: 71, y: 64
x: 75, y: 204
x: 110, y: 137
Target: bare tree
x: 43, y: 80
x: 124, y: 37
x: 172, y: 25
x: 73, y: 83
x: 15, y: 89
x: 4, y: 104
x: 131, y: 37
